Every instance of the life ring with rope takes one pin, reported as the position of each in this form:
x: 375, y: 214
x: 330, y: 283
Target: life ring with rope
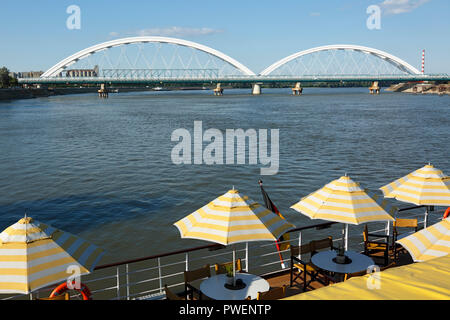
x: 446, y: 213
x: 84, y: 290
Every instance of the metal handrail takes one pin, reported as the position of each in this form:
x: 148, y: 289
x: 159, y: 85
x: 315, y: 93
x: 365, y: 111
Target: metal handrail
x: 120, y: 270
x: 210, y: 246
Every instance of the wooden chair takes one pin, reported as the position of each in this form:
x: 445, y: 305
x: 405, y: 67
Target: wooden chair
x: 402, y: 224
x: 337, y: 278
x: 317, y: 245
x: 305, y: 268
x: 221, y: 268
x: 64, y: 296
x: 190, y: 276
x: 373, y: 247
x: 354, y: 274
x: 364, y: 272
x: 171, y: 295
x: 391, y: 265
x: 272, y: 294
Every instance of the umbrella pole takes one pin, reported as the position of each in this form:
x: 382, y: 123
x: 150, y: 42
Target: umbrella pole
x: 425, y: 222
x: 234, y: 265
x: 345, y: 237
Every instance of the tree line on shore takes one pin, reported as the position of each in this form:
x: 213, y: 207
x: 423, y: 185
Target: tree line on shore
x: 6, y: 81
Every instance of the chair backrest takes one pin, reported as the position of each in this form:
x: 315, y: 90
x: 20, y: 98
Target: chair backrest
x: 64, y: 296
x: 326, y: 243
x: 273, y: 294
x: 366, y: 233
x: 221, y: 268
x: 298, y: 250
x: 405, y: 223
x: 171, y: 295
x: 196, y: 274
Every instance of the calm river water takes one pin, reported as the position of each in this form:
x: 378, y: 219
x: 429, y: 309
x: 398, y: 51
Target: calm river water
x: 102, y: 169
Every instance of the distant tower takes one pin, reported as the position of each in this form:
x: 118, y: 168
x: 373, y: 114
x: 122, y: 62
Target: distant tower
x: 423, y: 61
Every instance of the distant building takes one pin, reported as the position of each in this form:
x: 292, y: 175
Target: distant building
x: 26, y: 74
x: 76, y: 73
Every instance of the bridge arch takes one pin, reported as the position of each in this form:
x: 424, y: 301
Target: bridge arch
x: 397, y: 62
x: 60, y: 66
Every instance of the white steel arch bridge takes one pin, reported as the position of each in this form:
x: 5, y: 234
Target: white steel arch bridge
x: 140, y: 60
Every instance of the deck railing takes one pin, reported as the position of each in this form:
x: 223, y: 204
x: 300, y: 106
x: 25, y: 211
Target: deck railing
x: 144, y: 278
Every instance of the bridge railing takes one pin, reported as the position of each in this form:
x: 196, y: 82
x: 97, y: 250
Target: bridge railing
x: 208, y: 75
x: 160, y: 73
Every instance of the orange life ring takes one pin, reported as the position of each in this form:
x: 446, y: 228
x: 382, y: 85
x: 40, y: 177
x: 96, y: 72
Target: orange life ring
x: 446, y: 213
x: 84, y: 290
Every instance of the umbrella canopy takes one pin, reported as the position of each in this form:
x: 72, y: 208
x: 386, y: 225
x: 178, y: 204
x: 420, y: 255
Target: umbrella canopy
x: 342, y: 200
x: 429, y: 243
x: 34, y: 255
x: 382, y: 202
x: 428, y: 280
x: 425, y: 186
x: 233, y: 218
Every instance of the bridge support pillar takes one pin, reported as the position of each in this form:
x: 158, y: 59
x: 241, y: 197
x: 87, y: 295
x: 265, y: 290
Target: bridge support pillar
x: 256, y: 88
x: 374, y: 88
x: 218, y: 91
x: 103, y: 92
x: 297, y: 90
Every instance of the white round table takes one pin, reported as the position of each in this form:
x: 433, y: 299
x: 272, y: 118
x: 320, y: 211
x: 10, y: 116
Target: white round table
x: 214, y: 287
x: 324, y: 260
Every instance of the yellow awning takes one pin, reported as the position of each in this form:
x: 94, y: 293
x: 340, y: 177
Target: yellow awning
x: 428, y: 280
x: 342, y: 200
x: 34, y: 255
x: 233, y: 218
x: 429, y: 243
x: 425, y: 186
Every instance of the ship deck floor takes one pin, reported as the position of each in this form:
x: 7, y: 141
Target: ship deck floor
x: 283, y: 279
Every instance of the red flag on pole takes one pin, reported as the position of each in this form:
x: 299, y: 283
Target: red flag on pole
x: 271, y: 206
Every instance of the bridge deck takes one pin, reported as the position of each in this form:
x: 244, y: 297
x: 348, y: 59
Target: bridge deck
x: 234, y: 79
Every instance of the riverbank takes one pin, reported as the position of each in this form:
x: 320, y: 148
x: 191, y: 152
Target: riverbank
x: 30, y: 93
x: 21, y: 93
x: 422, y: 88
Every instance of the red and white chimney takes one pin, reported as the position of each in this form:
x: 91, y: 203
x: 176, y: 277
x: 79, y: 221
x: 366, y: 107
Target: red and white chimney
x: 423, y: 61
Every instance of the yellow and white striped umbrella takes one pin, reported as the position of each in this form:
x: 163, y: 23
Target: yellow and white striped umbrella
x: 425, y: 186
x: 342, y: 200
x: 233, y: 218
x: 429, y: 243
x: 34, y: 255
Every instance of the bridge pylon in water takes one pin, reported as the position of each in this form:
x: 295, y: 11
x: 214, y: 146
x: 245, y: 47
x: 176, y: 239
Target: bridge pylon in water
x: 218, y: 91
x: 103, y: 92
x: 374, y: 88
x: 256, y: 88
x: 297, y: 90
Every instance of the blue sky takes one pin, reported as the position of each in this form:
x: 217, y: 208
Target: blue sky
x: 256, y: 33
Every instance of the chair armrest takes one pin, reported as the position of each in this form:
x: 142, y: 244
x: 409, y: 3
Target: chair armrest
x: 384, y: 236
x: 299, y: 260
x: 378, y: 235
x: 329, y: 279
x: 191, y: 287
